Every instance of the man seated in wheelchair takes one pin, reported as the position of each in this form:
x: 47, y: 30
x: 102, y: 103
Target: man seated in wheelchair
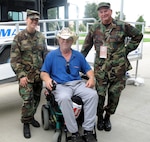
x: 64, y: 65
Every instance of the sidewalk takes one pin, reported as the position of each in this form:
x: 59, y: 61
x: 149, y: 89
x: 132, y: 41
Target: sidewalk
x: 131, y: 123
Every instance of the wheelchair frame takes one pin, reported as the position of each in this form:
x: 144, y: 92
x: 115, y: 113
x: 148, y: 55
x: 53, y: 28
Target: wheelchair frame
x: 52, y: 118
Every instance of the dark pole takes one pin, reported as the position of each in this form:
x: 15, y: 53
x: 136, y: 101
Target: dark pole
x: 66, y: 13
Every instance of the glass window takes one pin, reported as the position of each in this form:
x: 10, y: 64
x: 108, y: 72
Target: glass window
x: 15, y: 16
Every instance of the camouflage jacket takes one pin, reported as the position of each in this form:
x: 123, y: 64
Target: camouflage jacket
x: 113, y: 36
x: 27, y: 55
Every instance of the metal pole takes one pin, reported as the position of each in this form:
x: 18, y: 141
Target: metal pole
x: 121, y: 10
x: 66, y: 14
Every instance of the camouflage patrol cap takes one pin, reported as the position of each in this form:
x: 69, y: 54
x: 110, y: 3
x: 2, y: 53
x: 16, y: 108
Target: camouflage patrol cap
x: 103, y: 4
x: 32, y: 14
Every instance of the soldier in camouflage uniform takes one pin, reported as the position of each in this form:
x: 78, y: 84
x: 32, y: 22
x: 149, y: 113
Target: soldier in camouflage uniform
x: 111, y: 62
x: 27, y: 53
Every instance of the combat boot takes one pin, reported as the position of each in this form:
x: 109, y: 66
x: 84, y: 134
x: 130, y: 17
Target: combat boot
x: 26, y: 130
x: 35, y: 123
x: 100, y: 123
x: 107, y: 123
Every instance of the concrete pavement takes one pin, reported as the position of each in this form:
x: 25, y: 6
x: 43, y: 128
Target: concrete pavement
x: 131, y: 123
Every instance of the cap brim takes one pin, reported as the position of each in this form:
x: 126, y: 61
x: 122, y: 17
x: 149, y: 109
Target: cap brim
x: 66, y: 37
x: 106, y: 7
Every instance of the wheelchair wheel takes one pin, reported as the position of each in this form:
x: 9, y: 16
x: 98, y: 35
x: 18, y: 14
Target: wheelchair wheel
x: 57, y: 136
x: 45, y: 117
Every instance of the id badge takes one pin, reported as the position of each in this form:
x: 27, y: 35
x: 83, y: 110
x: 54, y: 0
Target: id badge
x: 103, y: 52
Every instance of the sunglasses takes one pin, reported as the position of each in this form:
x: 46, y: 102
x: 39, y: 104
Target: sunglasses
x: 68, y: 68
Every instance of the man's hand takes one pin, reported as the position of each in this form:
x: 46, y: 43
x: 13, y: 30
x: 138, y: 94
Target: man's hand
x: 48, y: 81
x: 91, y: 80
x: 50, y: 84
x: 90, y: 83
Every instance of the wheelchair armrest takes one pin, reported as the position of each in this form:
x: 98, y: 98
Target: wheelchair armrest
x: 84, y: 77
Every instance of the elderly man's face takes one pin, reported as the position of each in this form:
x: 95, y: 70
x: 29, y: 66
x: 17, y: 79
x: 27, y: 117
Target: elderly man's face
x: 65, y: 43
x: 105, y: 15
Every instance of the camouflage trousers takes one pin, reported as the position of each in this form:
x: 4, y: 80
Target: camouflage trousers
x: 109, y: 88
x: 31, y: 97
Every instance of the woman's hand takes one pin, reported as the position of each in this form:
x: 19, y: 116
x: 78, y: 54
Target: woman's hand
x: 23, y: 81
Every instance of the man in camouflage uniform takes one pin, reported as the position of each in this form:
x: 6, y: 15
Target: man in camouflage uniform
x: 111, y: 62
x: 27, y: 54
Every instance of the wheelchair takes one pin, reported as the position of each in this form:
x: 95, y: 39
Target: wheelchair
x: 52, y: 117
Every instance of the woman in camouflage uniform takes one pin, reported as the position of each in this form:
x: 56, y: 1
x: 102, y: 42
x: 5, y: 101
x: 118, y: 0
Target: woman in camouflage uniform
x: 27, y: 54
